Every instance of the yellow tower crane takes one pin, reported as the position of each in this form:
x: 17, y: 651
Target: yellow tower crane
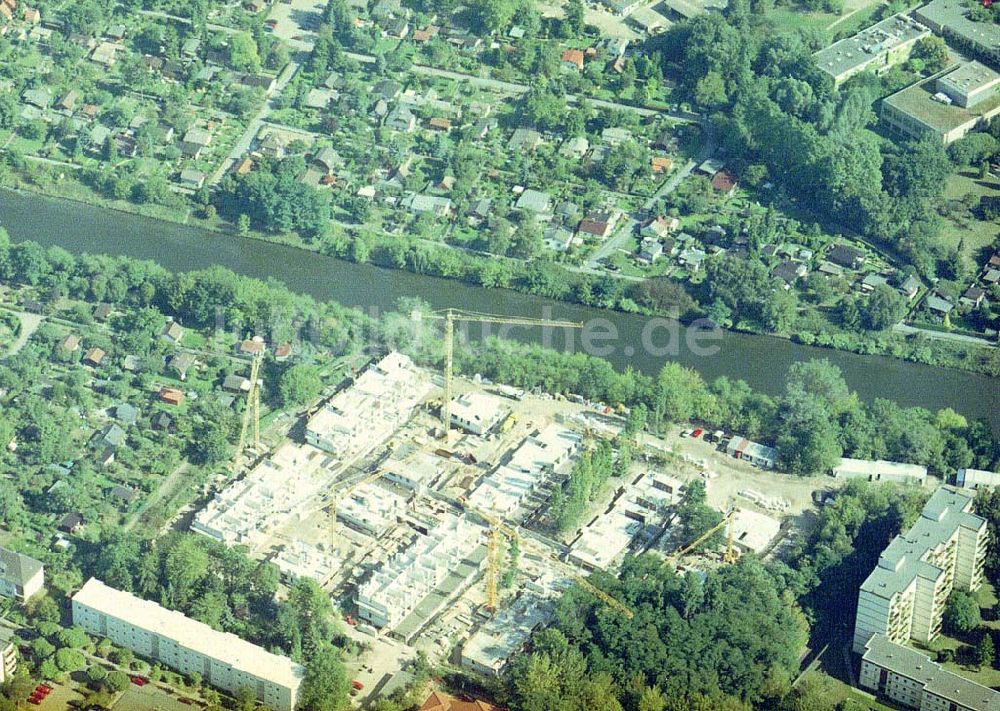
x: 499, y: 529
x: 729, y: 556
x: 450, y: 316
x: 251, y: 411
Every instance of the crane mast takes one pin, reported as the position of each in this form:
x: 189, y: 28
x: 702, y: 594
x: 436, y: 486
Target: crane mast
x: 450, y: 316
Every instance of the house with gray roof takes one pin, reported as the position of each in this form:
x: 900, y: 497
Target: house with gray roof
x: 534, y: 201
x: 20, y: 576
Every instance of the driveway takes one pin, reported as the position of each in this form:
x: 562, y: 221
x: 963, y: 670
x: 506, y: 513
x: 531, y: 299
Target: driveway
x: 29, y: 324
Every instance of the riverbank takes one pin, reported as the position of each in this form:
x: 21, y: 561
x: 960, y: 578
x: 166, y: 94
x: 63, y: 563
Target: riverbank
x: 548, y: 280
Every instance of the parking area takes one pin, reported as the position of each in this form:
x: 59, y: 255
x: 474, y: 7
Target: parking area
x: 295, y: 20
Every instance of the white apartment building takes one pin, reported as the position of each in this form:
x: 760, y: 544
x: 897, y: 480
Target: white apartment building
x: 398, y: 586
x: 541, y: 453
x: 411, y: 468
x: 904, y: 597
x: 20, y: 576
x: 246, y: 511
x: 477, y: 412
x: 371, y: 509
x: 168, y: 637
x: 356, y: 420
x: 8, y: 654
x: 910, y: 679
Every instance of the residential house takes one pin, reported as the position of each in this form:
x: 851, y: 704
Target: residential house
x: 102, y: 311
x: 939, y: 305
x: 650, y: 250
x: 191, y: 178
x: 397, y: 27
x: 181, y: 363
x: 68, y: 100
x: 127, y: 414
x: 328, y: 160
x: 440, y: 701
x: 534, y: 201
x: 910, y: 287
x: 432, y: 204
x: 659, y: 227
x: 524, y: 139
x: 692, y: 258
x: 789, y: 271
x: 846, y: 256
x: 71, y: 523
x: 387, y: 89
x: 724, y: 182
x: 236, y: 384
x: 572, y: 59
x: 615, y: 136
x: 973, y: 297
x: 171, y: 396
x: 94, y: 357
x: 172, y: 332
x: 20, y: 576
x: 40, y: 98
x: 124, y: 494
x: 575, y: 147
x: 162, y: 422
x: 283, y: 352
x: 104, y: 54
x: 251, y: 347
x: 480, y: 209
x: 871, y: 281
x: 661, y: 164
x: 439, y: 124
x: 70, y: 343
x: 401, y: 119
x: 599, y: 224
x: 32, y: 16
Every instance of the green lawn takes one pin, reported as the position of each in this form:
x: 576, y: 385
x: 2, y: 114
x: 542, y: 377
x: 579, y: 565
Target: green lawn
x: 987, y: 676
x: 972, y: 233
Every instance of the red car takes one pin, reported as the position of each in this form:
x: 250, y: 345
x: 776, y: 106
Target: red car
x: 697, y: 433
x: 34, y: 700
x: 357, y: 685
x: 138, y: 680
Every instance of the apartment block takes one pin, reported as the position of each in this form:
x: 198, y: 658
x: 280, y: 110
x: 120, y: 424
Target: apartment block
x: 356, y: 420
x: 477, y: 412
x: 541, y: 453
x: 20, y: 576
x: 904, y: 597
x: 8, y: 654
x: 246, y: 511
x: 371, y: 509
x: 398, y: 587
x: 185, y: 645
x: 908, y: 678
x: 877, y: 48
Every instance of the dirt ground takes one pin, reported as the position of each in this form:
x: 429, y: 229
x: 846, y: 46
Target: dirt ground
x: 607, y: 23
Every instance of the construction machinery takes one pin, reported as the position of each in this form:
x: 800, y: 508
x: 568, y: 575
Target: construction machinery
x: 450, y: 316
x: 250, y: 412
x: 730, y: 555
x: 500, y: 529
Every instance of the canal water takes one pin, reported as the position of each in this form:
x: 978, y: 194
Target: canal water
x: 644, y: 345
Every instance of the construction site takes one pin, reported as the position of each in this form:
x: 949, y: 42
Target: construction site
x: 414, y: 497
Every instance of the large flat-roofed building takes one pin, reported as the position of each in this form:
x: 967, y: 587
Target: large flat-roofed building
x: 356, y: 420
x: 877, y: 48
x: 411, y: 468
x: 904, y: 597
x: 910, y: 679
x: 946, y: 107
x: 880, y: 470
x: 20, y: 576
x: 976, y: 478
x: 168, y: 637
x: 491, y: 648
x: 477, y: 412
x: 951, y: 19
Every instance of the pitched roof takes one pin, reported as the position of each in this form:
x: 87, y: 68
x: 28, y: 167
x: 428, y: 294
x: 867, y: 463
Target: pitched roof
x: 16, y: 568
x: 440, y: 701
